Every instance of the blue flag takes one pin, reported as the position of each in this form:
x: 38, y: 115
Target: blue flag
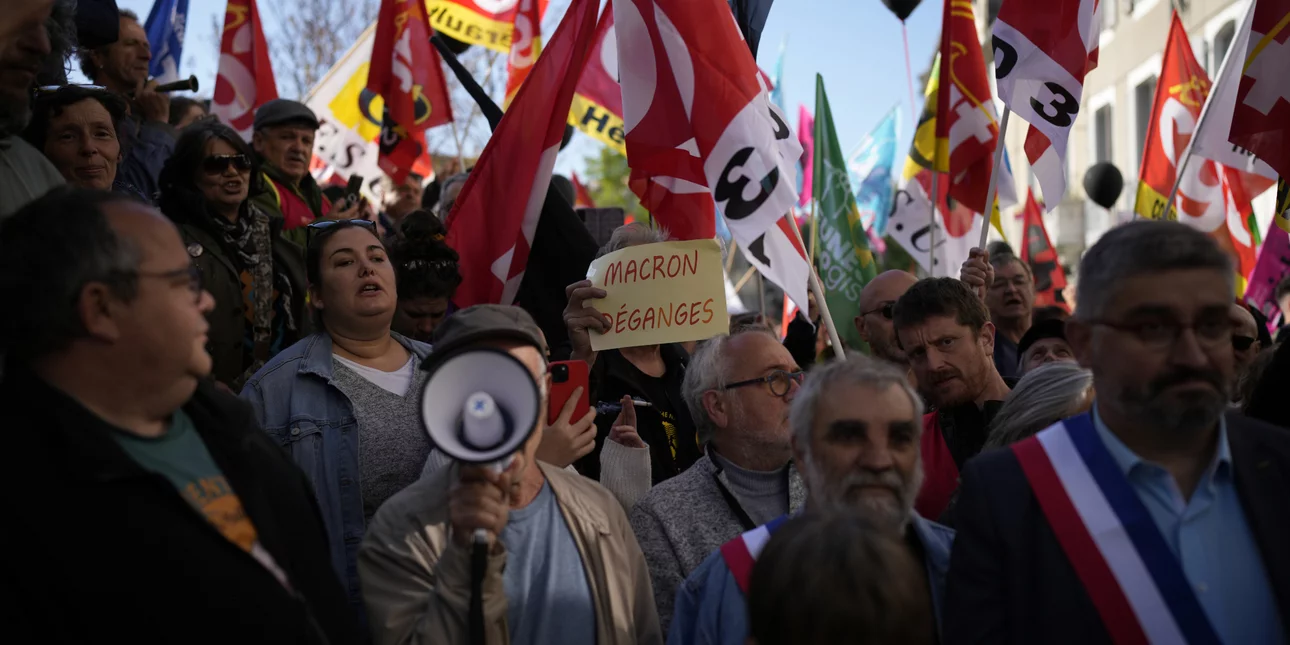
x: 165, y: 27
x: 870, y: 170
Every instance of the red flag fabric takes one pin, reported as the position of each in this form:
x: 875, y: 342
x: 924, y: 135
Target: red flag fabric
x: 496, y: 214
x: 598, y: 104
x: 526, y: 46
x: 581, y: 196
x: 698, y: 115
x: 1042, y: 52
x: 1038, y: 253
x: 806, y: 137
x: 966, y: 125
x: 406, y: 73
x: 1261, y: 120
x: 245, y: 80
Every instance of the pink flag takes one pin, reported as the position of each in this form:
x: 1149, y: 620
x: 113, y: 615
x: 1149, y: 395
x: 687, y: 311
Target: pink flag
x: 806, y: 135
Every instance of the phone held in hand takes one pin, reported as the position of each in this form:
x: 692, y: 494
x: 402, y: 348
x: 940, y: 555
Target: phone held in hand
x: 567, y: 376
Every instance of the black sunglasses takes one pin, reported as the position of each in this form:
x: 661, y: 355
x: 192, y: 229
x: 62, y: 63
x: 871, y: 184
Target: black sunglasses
x: 1242, y: 343
x: 886, y: 310
x: 217, y: 164
x: 329, y: 226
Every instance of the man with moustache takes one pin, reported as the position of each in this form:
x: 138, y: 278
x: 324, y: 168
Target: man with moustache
x: 1008, y: 289
x: 25, y: 173
x: 140, y: 484
x: 946, y: 332
x: 856, y: 427
x: 122, y: 68
x: 1154, y: 517
x: 877, y: 301
x: 283, y: 139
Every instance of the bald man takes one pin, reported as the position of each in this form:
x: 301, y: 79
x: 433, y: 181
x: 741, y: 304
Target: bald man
x: 874, y: 321
x: 1245, y: 342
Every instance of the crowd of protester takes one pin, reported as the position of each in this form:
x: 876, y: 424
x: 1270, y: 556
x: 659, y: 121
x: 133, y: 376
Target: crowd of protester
x: 212, y: 378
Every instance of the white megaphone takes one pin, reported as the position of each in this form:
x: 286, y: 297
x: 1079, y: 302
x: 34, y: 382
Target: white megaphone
x: 479, y: 407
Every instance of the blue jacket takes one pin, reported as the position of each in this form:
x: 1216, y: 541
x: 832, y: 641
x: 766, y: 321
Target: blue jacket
x: 147, y: 150
x: 712, y: 610
x: 297, y: 404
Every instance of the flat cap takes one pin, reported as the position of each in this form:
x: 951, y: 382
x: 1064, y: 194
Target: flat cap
x: 280, y: 111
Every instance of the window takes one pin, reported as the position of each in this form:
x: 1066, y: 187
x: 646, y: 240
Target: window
x: 1102, y: 135
x: 1222, y: 42
x: 1144, y: 95
x: 1110, y: 11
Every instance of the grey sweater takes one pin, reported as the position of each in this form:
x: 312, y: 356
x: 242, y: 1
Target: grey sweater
x: 684, y: 519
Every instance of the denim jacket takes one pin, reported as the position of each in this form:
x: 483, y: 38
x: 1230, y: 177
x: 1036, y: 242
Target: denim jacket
x: 299, y: 406
x: 711, y: 609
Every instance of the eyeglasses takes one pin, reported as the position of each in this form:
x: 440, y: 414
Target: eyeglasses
x: 196, y: 284
x: 780, y: 382
x: 329, y: 226
x: 1242, y: 343
x: 217, y: 164
x: 1161, y: 335
x: 886, y: 310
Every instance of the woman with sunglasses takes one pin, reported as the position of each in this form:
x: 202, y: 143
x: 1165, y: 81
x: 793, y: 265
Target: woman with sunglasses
x: 344, y: 402
x: 427, y: 273
x: 256, y: 275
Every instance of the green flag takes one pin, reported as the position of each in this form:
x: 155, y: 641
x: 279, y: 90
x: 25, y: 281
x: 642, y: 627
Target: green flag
x: 843, y: 257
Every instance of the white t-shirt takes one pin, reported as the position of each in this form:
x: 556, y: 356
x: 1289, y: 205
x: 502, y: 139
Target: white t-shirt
x: 396, y: 382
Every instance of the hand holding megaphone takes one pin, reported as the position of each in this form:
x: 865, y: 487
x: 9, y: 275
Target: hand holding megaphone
x: 479, y: 502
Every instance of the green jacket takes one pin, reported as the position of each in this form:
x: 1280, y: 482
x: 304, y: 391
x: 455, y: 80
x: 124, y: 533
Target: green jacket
x: 269, y: 199
x: 226, y: 339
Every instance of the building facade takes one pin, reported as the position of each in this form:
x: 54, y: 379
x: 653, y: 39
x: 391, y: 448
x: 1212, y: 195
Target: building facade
x: 1113, y: 118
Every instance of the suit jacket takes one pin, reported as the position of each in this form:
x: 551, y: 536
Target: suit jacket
x: 1010, y: 580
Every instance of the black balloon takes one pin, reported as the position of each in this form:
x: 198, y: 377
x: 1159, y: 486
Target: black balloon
x: 1103, y: 184
x: 902, y: 8
x: 455, y: 45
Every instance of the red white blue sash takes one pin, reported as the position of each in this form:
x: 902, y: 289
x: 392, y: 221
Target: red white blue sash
x: 1128, y: 570
x: 741, y: 552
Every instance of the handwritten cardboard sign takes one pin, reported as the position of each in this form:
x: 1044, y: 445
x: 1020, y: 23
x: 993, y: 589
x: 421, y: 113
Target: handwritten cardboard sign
x: 669, y: 292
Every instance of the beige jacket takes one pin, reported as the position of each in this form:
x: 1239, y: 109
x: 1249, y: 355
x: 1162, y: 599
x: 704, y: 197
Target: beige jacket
x: 416, y: 580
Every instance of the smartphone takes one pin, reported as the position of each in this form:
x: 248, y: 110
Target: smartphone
x: 354, y: 189
x: 567, y: 376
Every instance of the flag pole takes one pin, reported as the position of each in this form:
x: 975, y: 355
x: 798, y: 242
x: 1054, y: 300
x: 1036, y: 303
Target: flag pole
x: 813, y: 280
x: 743, y: 280
x: 999, y: 145
x: 761, y: 295
x: 931, y: 227
x: 730, y: 254
x: 815, y: 232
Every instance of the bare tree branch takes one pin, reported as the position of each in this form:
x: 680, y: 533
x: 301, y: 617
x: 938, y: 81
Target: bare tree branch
x: 311, y: 36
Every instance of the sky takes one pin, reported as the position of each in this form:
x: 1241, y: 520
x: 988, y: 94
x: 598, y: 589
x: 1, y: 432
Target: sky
x: 855, y: 44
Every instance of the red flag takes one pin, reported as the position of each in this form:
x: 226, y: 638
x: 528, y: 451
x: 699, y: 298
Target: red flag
x: 598, y: 104
x: 698, y: 116
x: 245, y: 80
x: 966, y: 126
x: 495, y: 216
x: 582, y: 197
x: 526, y: 46
x: 405, y: 71
x: 1042, y: 52
x: 1038, y: 253
x: 1261, y: 120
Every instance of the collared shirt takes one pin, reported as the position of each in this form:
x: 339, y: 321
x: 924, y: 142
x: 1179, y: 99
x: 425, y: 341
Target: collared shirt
x: 1211, y: 538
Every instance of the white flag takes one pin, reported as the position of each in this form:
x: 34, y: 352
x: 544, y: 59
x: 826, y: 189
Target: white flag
x: 909, y: 225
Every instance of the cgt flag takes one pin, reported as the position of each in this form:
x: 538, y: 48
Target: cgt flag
x: 1038, y: 253
x: 496, y: 214
x: 245, y: 80
x: 165, y: 28
x: 846, y: 264
x: 487, y: 23
x: 1041, y: 54
x: 406, y: 73
x: 526, y: 46
x: 1261, y: 122
x: 598, y: 104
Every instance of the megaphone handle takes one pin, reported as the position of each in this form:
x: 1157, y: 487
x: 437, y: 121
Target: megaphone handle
x: 499, y: 467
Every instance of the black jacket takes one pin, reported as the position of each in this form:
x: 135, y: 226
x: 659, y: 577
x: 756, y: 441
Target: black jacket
x: 96, y: 549
x: 1010, y: 581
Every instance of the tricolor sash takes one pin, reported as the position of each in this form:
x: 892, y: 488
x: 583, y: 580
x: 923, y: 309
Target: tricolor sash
x: 741, y: 552
x: 1107, y: 533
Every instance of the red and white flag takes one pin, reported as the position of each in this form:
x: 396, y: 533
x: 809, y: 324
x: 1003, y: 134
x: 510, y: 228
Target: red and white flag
x: 495, y: 216
x: 406, y: 73
x: 245, y: 80
x: 1261, y: 119
x: 1041, y: 53
x: 699, y: 119
x: 526, y: 46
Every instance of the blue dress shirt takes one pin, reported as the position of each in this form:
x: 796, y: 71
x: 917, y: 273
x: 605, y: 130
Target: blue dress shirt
x: 1211, y: 538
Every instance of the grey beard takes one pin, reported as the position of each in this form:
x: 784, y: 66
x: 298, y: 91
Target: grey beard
x: 1195, y: 415
x: 890, y: 514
